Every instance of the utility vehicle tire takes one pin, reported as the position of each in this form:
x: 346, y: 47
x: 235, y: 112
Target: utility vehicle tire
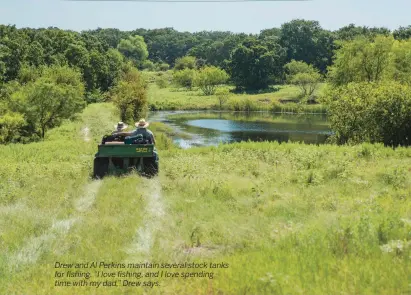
x: 150, y: 167
x: 100, y: 167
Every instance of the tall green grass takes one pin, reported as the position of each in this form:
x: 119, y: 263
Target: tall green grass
x: 179, y: 99
x: 51, y: 210
x: 288, y: 218
x: 292, y: 218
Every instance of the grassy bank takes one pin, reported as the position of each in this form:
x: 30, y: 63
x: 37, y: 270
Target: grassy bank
x: 274, y: 100
x: 287, y: 218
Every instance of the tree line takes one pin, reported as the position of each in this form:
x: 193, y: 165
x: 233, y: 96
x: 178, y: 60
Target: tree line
x: 96, y: 52
x: 48, y: 75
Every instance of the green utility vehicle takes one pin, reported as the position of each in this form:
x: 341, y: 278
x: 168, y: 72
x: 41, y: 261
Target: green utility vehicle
x: 118, y: 154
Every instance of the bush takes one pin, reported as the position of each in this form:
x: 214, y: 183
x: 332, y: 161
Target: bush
x: 130, y: 96
x: 253, y: 63
x: 371, y: 112
x: 148, y: 65
x: 184, y: 78
x: 55, y: 95
x: 242, y: 104
x: 223, y: 95
x: 134, y: 48
x: 185, y: 62
x: 28, y: 74
x: 162, y: 67
x: 362, y: 60
x: 208, y: 78
x: 162, y: 81
x: 303, y: 75
x: 10, y: 123
x: 94, y: 96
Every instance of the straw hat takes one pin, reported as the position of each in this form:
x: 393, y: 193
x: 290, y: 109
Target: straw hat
x: 142, y: 124
x: 120, y: 126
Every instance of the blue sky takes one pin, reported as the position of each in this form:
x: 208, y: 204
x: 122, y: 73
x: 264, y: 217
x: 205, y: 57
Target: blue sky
x: 248, y: 17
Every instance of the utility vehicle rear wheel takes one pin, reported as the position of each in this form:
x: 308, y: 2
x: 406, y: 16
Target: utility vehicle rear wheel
x: 151, y: 167
x: 100, y: 167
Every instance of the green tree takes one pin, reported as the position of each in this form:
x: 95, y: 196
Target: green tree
x: 401, y: 61
x: 296, y: 67
x: 28, y: 74
x: 11, y: 57
x: 270, y: 33
x: 115, y: 61
x: 77, y: 56
x: 109, y: 36
x: 208, y: 78
x: 10, y: 123
x: 306, y: 41
x: 216, y: 52
x: 3, y: 67
x: 35, y: 54
x: 130, y: 95
x: 134, y: 48
x: 163, y: 79
x: 372, y: 112
x: 402, y: 33
x: 162, y: 67
x: 186, y: 62
x: 53, y: 97
x: 362, y: 60
x: 166, y: 44
x: 303, y: 75
x: 184, y: 78
x: 99, y: 71
x: 148, y: 65
x: 352, y: 32
x: 64, y: 76
x: 252, y: 64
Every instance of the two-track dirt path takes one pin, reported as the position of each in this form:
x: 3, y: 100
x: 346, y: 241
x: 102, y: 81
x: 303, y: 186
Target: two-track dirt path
x: 145, y: 234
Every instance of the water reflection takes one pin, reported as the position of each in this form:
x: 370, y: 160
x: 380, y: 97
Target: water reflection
x: 211, y: 128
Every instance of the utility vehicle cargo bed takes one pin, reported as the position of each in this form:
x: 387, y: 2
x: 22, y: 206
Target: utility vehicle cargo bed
x: 125, y: 150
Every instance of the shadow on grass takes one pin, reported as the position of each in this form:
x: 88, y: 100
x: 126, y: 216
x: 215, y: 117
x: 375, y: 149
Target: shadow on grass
x: 269, y: 89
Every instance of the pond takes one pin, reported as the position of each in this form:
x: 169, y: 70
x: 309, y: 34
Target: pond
x: 205, y: 128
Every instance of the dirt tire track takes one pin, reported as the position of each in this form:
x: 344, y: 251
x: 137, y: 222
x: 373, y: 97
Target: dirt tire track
x: 86, y: 133
x: 36, y: 245
x: 87, y: 200
x: 144, y: 237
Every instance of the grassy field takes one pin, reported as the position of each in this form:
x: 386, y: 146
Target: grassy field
x: 287, y: 218
x: 172, y: 98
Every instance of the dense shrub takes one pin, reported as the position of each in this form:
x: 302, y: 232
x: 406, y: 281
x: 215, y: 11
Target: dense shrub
x: 185, y: 62
x: 372, y: 112
x: 184, y: 78
x: 40, y: 103
x: 162, y: 81
x: 208, y: 78
x: 162, y: 67
x: 130, y: 95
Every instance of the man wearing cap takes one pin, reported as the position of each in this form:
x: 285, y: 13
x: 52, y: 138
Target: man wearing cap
x: 119, y: 127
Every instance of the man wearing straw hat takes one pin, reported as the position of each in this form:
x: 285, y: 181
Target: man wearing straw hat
x: 141, y: 129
